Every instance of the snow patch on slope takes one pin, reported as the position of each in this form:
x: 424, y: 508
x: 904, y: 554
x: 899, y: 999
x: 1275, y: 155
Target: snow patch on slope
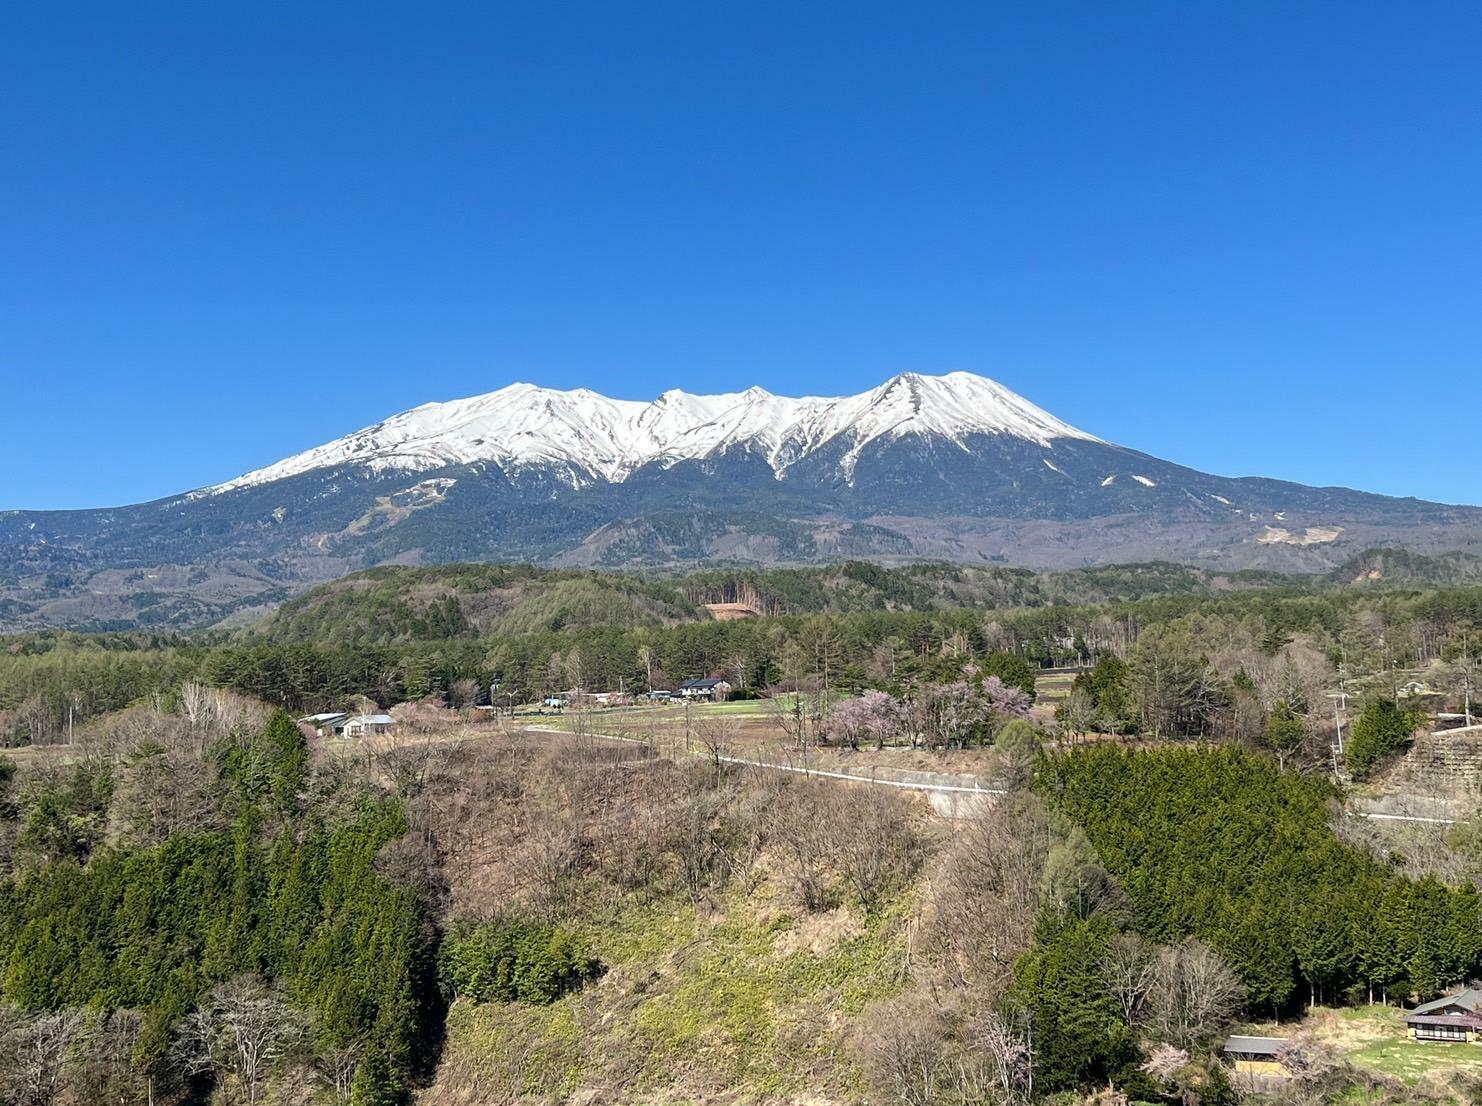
x: 589, y: 437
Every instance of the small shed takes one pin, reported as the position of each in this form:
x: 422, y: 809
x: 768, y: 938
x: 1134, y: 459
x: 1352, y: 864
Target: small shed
x: 1257, y: 1056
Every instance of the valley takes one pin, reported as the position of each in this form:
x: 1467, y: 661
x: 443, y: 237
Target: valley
x: 892, y: 834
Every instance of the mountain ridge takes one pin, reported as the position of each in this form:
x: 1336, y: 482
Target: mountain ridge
x: 953, y: 468
x: 523, y: 424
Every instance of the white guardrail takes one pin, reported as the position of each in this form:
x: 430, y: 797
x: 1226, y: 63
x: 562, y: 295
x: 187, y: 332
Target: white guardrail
x: 922, y: 785
x: 906, y: 785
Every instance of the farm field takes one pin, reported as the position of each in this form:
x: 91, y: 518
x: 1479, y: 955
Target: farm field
x: 753, y: 728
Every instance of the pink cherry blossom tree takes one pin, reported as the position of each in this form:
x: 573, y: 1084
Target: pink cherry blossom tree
x: 872, y: 716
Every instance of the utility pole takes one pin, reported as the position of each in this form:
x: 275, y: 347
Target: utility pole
x: 1466, y: 674
x: 1338, y: 698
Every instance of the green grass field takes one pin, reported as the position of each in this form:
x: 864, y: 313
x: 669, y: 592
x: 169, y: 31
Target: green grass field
x: 1374, y: 1039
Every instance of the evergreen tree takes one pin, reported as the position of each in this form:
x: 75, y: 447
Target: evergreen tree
x: 1080, y: 1034
x: 1285, y: 731
x: 1381, y: 729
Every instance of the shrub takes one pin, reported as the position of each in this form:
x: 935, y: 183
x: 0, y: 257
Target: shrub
x: 514, y: 960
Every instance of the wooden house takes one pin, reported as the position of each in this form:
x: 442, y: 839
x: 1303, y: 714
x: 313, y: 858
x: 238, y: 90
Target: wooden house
x: 1454, y: 1017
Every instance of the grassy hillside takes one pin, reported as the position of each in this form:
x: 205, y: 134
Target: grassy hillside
x: 742, y: 926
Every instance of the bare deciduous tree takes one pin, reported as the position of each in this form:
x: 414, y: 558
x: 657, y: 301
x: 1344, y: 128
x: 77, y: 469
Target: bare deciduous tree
x: 37, y: 1049
x: 1308, y: 1059
x: 988, y: 894
x: 1194, y: 994
x: 902, y: 1045
x: 875, y: 846
x: 1129, y: 967
x: 336, y: 1066
x: 242, y: 1030
x: 717, y: 736
x: 463, y: 693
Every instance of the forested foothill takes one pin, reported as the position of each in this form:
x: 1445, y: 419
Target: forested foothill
x: 201, y: 902
x: 1204, y: 659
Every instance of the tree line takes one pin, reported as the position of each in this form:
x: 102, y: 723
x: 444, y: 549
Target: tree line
x: 1177, y: 666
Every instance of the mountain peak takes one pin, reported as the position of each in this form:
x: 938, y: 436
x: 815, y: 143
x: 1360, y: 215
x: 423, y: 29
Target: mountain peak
x: 590, y: 436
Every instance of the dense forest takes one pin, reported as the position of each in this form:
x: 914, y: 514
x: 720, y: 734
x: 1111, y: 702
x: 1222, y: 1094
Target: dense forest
x: 397, y: 603
x: 194, y: 884
x: 1220, y: 845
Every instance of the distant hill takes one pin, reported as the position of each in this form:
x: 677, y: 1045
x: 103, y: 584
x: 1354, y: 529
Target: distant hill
x: 866, y: 586
x: 1400, y: 566
x: 397, y: 603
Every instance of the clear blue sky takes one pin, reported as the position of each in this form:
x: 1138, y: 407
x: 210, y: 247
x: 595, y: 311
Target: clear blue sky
x: 1245, y: 237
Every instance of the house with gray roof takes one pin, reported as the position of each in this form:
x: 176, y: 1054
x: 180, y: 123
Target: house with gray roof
x: 1453, y: 1017
x: 714, y: 689
x: 363, y: 725
x: 326, y: 724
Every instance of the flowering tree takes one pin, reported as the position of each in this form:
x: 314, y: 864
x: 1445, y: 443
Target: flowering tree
x: 872, y: 716
x: 1005, y: 700
x: 1009, y: 1047
x: 947, y: 714
x: 936, y: 715
x: 943, y: 714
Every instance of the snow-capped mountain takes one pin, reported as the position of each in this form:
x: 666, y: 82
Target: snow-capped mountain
x: 951, y: 467
x: 589, y: 436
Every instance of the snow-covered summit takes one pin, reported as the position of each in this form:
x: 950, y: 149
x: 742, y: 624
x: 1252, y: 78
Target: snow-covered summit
x: 588, y: 437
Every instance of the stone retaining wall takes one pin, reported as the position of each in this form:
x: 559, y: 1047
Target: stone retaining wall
x: 1448, y: 762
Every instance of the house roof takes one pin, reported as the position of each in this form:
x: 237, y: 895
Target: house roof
x: 702, y: 684
x: 320, y: 719
x: 1467, y: 1021
x: 1255, y: 1046
x: 374, y: 719
x: 1469, y: 998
